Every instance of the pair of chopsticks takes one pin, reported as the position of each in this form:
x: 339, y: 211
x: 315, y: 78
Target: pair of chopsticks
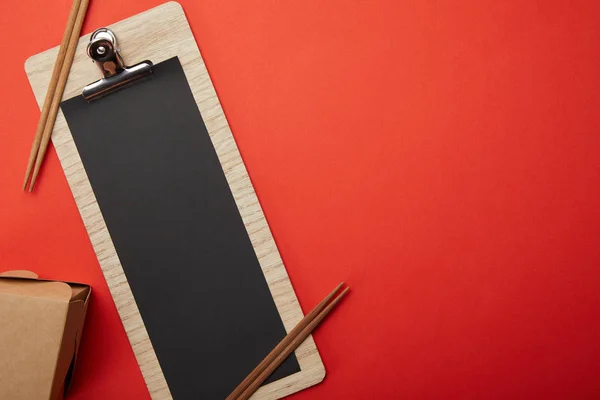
x: 287, y: 345
x: 56, y: 88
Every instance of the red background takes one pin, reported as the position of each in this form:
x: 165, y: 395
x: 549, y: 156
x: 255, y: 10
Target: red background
x: 442, y: 157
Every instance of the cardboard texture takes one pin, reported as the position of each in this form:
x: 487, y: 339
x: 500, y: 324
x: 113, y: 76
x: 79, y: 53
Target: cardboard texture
x: 40, y: 329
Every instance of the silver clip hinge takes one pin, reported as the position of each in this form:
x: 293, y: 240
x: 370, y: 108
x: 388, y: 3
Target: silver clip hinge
x: 103, y: 50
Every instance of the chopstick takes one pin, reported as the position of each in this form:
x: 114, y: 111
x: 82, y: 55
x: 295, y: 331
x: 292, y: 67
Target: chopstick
x: 56, y: 88
x: 51, y: 88
x: 287, y: 345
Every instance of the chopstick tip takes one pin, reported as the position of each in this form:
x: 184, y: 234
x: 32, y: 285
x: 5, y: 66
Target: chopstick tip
x: 27, y: 176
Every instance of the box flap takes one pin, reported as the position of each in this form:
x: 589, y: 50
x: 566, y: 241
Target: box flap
x: 79, y: 292
x: 18, y: 278
x: 21, y: 273
x: 70, y: 344
x: 32, y: 288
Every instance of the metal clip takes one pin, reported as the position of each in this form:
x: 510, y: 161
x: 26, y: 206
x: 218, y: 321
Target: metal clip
x: 103, y: 50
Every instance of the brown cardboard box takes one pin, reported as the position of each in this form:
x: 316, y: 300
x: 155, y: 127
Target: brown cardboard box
x: 40, y: 329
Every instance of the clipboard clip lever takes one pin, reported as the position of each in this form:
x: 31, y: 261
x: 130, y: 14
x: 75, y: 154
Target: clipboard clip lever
x: 105, y: 53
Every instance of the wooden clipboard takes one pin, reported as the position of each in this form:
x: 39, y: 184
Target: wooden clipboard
x: 160, y: 34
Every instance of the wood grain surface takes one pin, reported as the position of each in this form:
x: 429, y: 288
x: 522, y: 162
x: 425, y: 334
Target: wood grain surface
x: 157, y: 35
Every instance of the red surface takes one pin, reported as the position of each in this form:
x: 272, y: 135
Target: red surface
x: 442, y: 157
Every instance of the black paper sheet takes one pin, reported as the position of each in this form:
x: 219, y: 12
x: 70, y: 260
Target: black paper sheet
x: 178, y: 234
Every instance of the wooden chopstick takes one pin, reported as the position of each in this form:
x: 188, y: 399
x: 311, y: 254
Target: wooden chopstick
x: 295, y: 342
x: 282, y: 345
x: 287, y: 346
x: 74, y: 25
x: 51, y: 88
